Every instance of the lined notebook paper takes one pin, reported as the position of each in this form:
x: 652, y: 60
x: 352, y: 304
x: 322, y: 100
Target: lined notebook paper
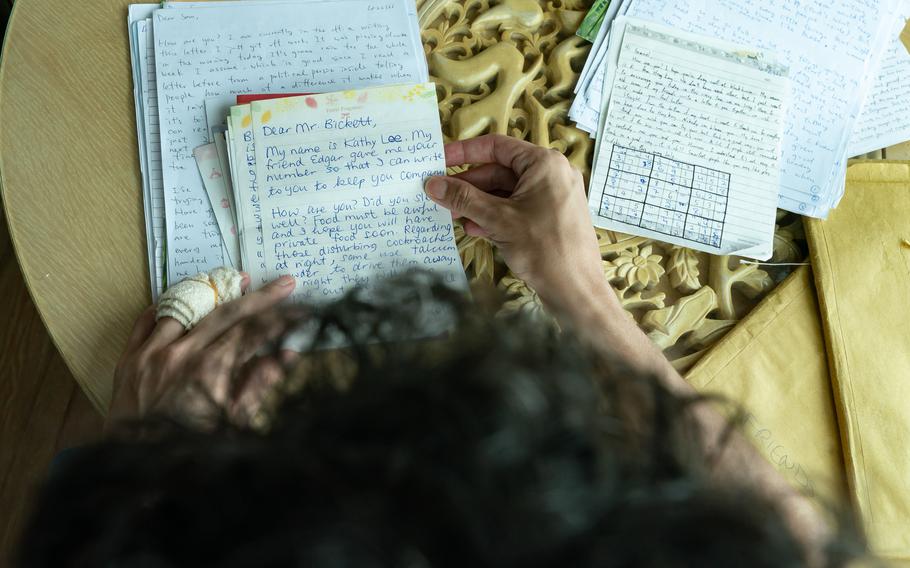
x: 690, y: 144
x: 142, y: 55
x: 884, y: 120
x: 830, y: 47
x: 339, y: 179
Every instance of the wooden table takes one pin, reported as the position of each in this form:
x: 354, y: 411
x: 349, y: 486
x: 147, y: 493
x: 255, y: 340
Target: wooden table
x: 70, y: 179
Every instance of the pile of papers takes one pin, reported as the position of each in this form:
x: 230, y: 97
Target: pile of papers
x: 329, y: 188
x: 689, y: 145
x: 325, y: 185
x: 846, y: 76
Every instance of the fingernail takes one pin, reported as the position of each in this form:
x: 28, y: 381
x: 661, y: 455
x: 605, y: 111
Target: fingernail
x: 285, y: 280
x: 436, y: 188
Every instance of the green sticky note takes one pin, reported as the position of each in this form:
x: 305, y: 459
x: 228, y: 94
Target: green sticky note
x: 595, y: 16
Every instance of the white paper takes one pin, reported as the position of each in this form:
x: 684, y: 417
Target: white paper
x: 341, y: 180
x: 216, y: 111
x: 829, y: 45
x: 591, y: 61
x: 690, y: 145
x: 138, y: 32
x: 585, y: 109
x: 146, y: 99
x: 213, y: 180
x: 202, y: 53
x: 884, y: 119
x: 223, y: 163
x: 410, y: 7
x: 246, y: 194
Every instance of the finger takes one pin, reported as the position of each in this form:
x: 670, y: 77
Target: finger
x: 472, y: 229
x: 142, y: 329
x: 263, y: 377
x: 240, y: 343
x: 492, y: 148
x: 228, y: 315
x: 492, y: 178
x: 465, y: 200
x: 167, y: 331
x: 218, y: 369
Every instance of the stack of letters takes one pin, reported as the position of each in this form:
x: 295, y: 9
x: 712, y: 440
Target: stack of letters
x: 321, y: 179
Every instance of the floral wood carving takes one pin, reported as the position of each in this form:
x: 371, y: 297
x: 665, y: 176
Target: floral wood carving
x: 509, y: 66
x: 637, y: 269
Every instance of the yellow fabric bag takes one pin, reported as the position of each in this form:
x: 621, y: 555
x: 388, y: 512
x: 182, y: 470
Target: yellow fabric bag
x: 861, y: 260
x: 772, y: 365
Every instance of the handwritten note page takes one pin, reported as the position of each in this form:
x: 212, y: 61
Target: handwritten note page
x: 142, y: 62
x: 225, y: 167
x: 884, y: 119
x: 341, y: 188
x: 828, y: 44
x: 246, y: 193
x: 140, y: 41
x: 209, y: 52
x: 213, y: 180
x: 152, y: 174
x: 410, y: 7
x: 689, y: 151
x: 585, y: 109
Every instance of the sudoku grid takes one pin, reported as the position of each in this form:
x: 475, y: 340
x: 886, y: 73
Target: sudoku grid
x: 666, y: 196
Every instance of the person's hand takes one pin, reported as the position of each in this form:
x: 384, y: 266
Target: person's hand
x: 530, y: 202
x: 212, y: 368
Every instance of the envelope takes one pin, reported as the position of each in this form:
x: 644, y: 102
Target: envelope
x: 861, y: 257
x: 772, y: 365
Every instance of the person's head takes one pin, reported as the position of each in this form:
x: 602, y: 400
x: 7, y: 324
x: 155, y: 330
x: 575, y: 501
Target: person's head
x: 505, y: 444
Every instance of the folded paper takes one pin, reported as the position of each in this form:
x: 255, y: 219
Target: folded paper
x: 771, y: 366
x: 862, y: 273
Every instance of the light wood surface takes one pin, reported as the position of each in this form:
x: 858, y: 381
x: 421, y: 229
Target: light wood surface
x: 42, y: 409
x: 70, y: 178
x: 898, y: 152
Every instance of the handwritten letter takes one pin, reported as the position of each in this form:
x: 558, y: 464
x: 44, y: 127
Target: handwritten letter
x: 691, y: 142
x: 828, y: 46
x: 884, y: 119
x: 213, y: 179
x: 340, y: 184
x: 267, y: 47
x: 246, y: 194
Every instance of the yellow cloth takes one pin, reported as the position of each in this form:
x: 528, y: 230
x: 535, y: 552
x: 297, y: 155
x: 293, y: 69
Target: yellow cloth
x: 862, y: 274
x: 772, y: 365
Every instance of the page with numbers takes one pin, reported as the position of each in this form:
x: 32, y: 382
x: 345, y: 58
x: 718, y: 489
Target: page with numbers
x: 690, y: 150
x: 831, y: 48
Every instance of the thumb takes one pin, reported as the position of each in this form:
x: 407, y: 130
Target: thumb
x: 465, y: 200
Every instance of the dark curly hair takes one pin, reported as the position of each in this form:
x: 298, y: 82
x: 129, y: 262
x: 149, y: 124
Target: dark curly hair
x: 504, y: 443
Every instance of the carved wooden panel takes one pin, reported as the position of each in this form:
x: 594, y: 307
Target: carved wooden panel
x: 509, y: 67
